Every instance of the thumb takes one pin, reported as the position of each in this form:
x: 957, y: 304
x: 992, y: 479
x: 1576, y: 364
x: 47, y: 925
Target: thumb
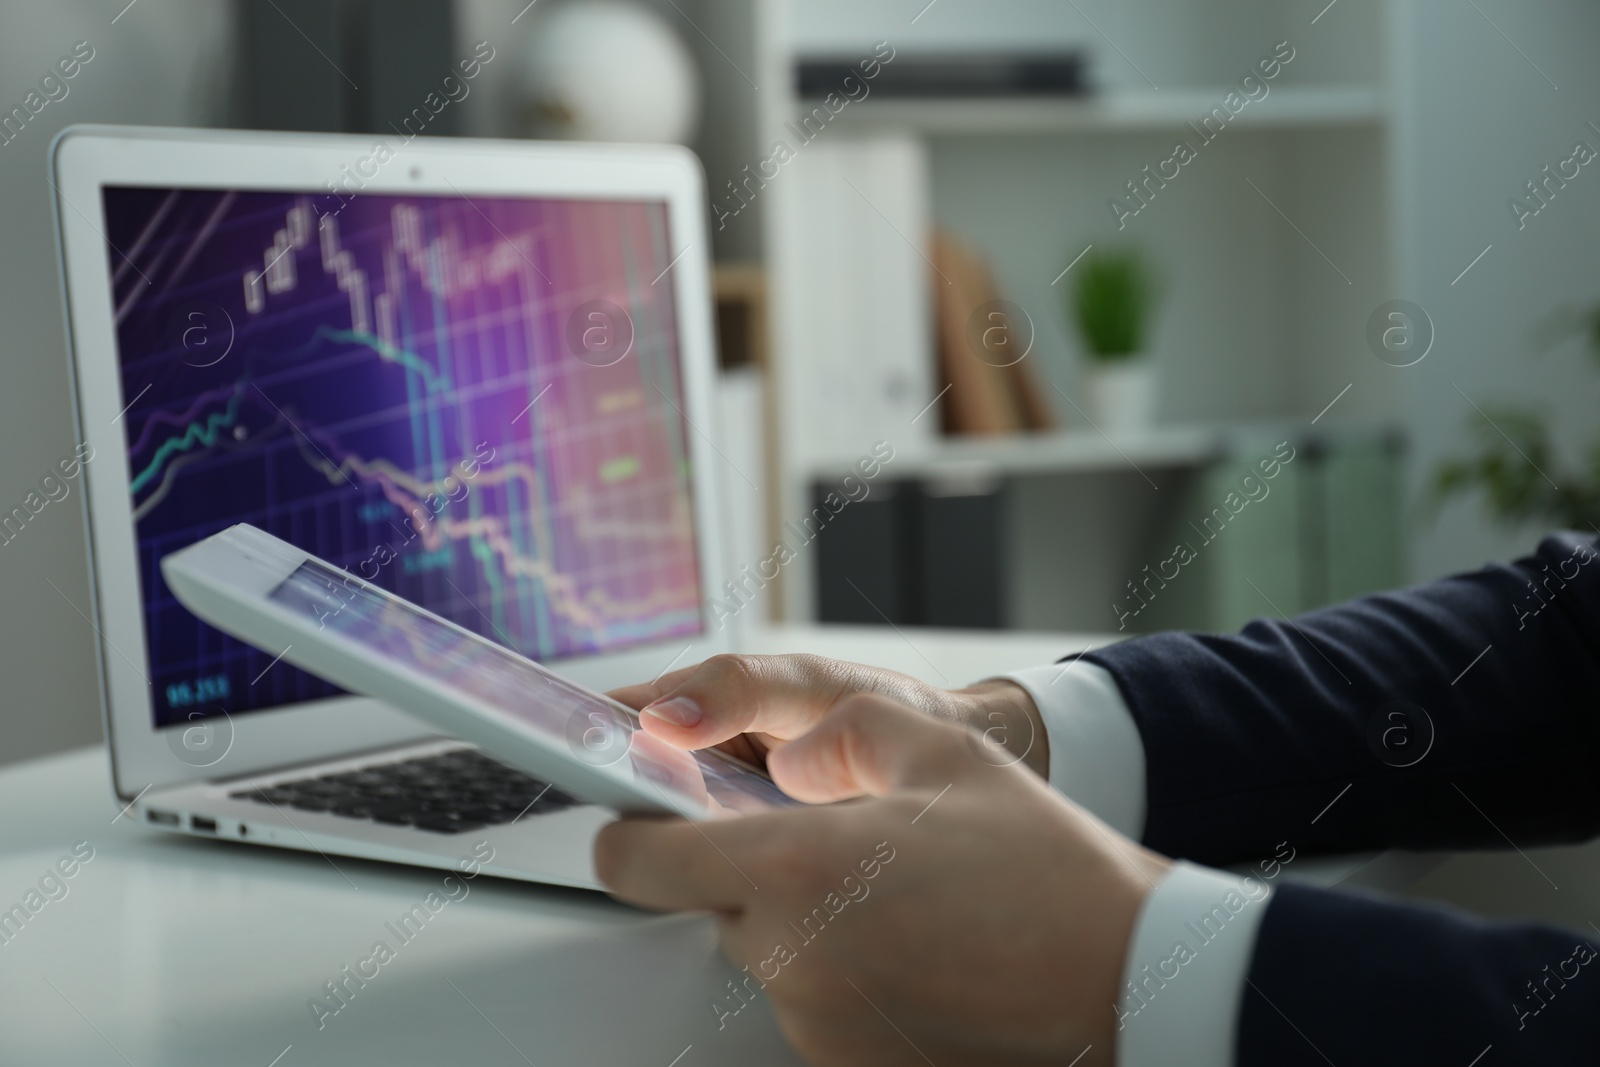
x: 870, y: 745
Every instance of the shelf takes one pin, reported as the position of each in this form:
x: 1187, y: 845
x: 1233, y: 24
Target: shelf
x: 1087, y: 451
x: 1072, y: 451
x: 1171, y: 109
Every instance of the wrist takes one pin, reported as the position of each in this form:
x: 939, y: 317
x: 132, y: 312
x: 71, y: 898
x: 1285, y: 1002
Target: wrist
x: 1006, y: 718
x: 1134, y: 877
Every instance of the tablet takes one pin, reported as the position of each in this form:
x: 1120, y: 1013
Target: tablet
x: 295, y: 606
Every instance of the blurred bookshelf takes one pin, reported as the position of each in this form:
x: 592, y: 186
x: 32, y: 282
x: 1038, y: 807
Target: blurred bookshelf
x: 1069, y: 527
x: 1275, y: 245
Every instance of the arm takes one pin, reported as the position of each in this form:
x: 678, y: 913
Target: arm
x: 1284, y: 981
x: 1248, y: 738
x: 1352, y: 978
x: 1277, y: 716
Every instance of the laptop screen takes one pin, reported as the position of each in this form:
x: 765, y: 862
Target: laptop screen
x: 476, y: 403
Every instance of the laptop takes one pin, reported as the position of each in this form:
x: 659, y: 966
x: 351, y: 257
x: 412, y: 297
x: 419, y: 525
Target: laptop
x: 477, y: 374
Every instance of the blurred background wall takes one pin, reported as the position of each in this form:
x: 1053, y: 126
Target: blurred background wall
x: 161, y: 63
x: 1477, y: 120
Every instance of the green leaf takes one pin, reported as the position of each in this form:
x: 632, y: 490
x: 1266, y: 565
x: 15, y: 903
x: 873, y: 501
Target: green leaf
x: 1112, y: 302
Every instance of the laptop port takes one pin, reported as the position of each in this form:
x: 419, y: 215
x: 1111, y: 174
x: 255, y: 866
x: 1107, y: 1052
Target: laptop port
x: 202, y: 825
x: 161, y: 818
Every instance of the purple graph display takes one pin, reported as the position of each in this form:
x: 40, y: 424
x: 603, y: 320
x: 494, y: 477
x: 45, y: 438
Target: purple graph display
x: 473, y: 402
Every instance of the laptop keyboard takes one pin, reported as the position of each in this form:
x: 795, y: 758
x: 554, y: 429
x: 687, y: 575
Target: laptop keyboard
x: 450, y: 794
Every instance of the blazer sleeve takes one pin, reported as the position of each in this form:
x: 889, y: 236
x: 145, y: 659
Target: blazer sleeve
x: 1345, y: 977
x: 1459, y: 714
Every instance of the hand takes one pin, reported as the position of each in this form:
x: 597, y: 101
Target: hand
x: 965, y: 914
x: 749, y: 705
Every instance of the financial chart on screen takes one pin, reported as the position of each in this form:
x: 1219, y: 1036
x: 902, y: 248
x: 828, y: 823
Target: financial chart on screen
x: 475, y: 403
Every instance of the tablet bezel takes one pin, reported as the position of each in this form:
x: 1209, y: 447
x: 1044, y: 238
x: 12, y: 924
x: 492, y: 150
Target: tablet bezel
x: 85, y: 159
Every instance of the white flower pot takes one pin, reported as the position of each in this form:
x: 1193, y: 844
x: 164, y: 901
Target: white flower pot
x: 1122, y: 395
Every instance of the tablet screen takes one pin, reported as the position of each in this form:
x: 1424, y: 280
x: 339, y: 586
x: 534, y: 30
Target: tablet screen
x: 591, y: 728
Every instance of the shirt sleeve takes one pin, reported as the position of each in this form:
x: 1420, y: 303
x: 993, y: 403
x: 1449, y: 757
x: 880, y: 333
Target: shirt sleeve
x: 1183, y: 982
x: 1184, y: 977
x: 1096, y: 756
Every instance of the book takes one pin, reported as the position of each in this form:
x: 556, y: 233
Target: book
x: 983, y: 343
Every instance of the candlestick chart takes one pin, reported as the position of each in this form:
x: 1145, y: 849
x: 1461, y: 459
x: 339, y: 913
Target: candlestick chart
x: 474, y: 402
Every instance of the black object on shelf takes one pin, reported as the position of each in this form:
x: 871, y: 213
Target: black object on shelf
x: 861, y: 553
x: 1053, y: 74
x: 344, y: 66
x: 960, y: 540
x: 913, y: 554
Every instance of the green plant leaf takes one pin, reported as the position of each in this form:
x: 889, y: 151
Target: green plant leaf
x: 1514, y: 467
x: 1111, y: 302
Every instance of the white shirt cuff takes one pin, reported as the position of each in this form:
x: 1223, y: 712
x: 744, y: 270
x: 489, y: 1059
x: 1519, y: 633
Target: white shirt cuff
x: 1187, y: 964
x: 1191, y: 948
x: 1096, y: 755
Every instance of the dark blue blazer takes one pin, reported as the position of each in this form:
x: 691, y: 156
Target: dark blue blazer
x: 1464, y: 714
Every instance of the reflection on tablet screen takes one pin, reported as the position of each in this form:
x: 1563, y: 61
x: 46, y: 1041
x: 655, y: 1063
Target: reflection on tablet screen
x: 593, y: 729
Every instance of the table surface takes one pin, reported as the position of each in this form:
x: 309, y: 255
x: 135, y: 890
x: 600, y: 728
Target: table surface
x: 171, y: 951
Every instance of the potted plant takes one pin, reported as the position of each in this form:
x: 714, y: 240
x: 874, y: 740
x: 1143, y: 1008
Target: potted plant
x: 1112, y: 304
x: 1517, y: 466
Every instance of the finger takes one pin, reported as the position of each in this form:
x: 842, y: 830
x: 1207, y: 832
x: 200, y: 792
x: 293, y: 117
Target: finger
x: 731, y: 695
x: 675, y: 865
x: 871, y: 745
x: 637, y: 696
x: 783, y: 696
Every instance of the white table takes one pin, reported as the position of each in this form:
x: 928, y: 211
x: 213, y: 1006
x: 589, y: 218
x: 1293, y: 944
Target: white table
x: 170, y: 951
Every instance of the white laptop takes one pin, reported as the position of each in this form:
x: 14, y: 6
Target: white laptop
x: 477, y: 374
